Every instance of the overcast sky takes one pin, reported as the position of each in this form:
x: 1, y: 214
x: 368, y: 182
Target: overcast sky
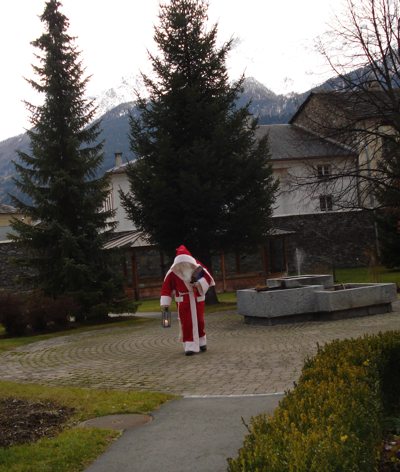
x: 275, y: 43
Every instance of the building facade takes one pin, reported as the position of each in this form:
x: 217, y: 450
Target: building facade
x: 312, y: 230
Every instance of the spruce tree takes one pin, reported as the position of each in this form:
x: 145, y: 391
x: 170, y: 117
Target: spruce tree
x: 61, y: 193
x: 200, y: 177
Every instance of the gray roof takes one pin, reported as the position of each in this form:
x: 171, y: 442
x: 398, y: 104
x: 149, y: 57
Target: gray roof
x: 132, y: 239
x: 280, y: 232
x: 127, y: 239
x: 294, y: 142
x: 121, y: 169
x: 7, y: 209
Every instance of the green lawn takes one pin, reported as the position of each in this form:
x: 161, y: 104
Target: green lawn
x: 74, y: 448
x: 366, y: 274
x: 227, y: 302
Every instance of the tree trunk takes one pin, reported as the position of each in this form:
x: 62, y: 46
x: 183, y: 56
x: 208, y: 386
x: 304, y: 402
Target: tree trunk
x: 211, y: 295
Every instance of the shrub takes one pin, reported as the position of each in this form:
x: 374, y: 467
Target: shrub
x: 332, y: 419
x: 44, y: 312
x: 61, y: 309
x: 100, y: 311
x: 12, y: 313
x: 20, y: 313
x: 124, y: 305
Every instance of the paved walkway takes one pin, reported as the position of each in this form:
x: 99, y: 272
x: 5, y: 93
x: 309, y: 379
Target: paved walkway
x: 193, y: 434
x: 242, y: 359
x: 238, y: 377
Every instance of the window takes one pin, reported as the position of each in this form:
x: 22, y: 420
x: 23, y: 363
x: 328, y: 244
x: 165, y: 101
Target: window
x: 148, y: 263
x: 325, y: 202
x: 108, y: 203
x: 324, y: 171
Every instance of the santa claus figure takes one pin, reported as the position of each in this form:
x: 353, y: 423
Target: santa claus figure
x: 188, y: 281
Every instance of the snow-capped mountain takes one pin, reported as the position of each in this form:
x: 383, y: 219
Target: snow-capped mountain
x: 115, y: 105
x: 269, y: 107
x: 124, y: 92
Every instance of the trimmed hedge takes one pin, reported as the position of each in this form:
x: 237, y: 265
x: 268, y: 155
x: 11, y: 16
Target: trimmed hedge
x: 332, y: 420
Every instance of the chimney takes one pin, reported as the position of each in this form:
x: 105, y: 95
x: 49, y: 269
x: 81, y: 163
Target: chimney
x: 118, y: 159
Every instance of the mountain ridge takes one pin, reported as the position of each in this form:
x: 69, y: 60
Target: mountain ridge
x: 268, y: 107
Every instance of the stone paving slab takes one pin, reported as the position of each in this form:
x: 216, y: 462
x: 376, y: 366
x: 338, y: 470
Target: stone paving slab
x: 241, y: 359
x: 116, y: 422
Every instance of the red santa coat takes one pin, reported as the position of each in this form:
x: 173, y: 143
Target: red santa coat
x: 189, y: 297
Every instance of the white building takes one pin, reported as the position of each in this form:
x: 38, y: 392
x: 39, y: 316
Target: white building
x: 309, y: 222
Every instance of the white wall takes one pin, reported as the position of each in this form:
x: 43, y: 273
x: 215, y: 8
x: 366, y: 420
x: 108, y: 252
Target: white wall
x: 295, y: 199
x: 120, y: 182
x: 289, y: 200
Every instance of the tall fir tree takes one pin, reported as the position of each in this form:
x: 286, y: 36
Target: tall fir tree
x: 200, y: 178
x: 63, y: 196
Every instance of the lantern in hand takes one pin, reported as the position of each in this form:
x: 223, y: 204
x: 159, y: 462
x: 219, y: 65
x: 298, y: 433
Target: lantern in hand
x: 166, y: 317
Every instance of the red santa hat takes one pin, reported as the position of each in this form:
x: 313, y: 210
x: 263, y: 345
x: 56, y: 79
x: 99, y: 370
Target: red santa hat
x: 182, y: 250
x: 183, y: 255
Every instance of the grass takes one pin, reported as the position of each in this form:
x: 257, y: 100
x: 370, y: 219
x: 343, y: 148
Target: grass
x: 366, y: 274
x: 74, y: 448
x: 71, y: 451
x: 227, y: 301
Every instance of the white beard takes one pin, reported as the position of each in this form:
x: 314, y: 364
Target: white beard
x: 184, y: 270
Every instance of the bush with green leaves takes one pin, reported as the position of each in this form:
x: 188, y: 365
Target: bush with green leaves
x: 332, y: 420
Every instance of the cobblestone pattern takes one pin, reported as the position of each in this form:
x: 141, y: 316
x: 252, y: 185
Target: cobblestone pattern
x: 242, y: 359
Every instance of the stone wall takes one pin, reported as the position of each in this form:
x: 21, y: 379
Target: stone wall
x: 321, y: 242
x: 324, y: 241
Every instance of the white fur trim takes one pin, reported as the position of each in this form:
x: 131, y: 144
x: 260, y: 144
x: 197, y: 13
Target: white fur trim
x: 203, y: 341
x: 165, y: 300
x: 184, y: 258
x: 191, y: 346
x: 203, y: 286
x: 193, y: 312
x: 180, y: 337
x: 212, y: 281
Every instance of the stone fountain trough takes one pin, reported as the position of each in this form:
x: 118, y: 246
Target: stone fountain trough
x: 313, y: 298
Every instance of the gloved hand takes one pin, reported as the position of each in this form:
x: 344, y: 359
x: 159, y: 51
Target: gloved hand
x: 197, y: 274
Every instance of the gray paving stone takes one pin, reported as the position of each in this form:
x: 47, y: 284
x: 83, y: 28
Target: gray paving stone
x: 241, y: 358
